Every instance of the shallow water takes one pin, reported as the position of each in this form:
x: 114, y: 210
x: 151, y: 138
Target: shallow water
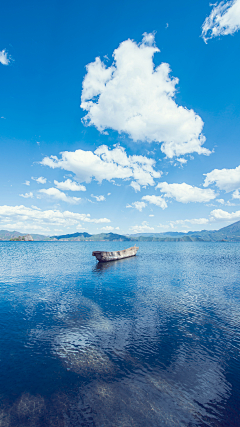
x: 152, y: 340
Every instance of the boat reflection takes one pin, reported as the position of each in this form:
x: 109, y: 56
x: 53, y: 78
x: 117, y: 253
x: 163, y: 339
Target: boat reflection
x: 103, y: 266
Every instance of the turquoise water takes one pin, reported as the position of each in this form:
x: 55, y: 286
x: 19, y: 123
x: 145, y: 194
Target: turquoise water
x: 152, y: 340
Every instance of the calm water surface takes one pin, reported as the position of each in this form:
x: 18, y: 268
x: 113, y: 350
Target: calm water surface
x: 152, y: 340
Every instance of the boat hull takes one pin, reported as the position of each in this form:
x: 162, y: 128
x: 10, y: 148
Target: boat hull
x: 103, y: 256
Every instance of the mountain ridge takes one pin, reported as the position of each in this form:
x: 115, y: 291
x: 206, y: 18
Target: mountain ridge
x: 230, y: 233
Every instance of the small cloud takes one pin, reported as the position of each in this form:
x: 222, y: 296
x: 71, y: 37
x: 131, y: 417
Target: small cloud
x: 109, y: 194
x: 156, y: 200
x: 35, y: 207
x: 220, y: 201
x: 80, y: 227
x: 185, y: 193
x: 99, y: 198
x: 4, y: 58
x: 26, y: 183
x: 3, y: 118
x: 224, y: 19
x: 40, y: 180
x: 236, y: 195
x: 165, y: 227
x: 182, y: 160
x: 69, y: 185
x: 38, y: 143
x: 27, y: 195
x: 135, y: 185
x: 59, y: 195
x: 167, y: 25
x: 107, y: 228
x: 117, y: 228
x: 151, y: 215
x: 144, y: 227
x: 139, y: 206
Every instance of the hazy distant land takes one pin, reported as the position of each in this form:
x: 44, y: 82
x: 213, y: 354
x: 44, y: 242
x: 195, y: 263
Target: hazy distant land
x: 231, y: 233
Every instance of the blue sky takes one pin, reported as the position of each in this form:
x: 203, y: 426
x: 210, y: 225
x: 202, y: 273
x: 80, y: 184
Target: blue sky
x: 155, y: 144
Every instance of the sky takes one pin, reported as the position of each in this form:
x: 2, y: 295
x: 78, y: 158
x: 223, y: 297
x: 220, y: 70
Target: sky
x: 119, y: 117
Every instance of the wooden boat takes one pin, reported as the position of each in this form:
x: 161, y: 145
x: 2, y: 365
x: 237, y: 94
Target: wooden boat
x: 103, y: 256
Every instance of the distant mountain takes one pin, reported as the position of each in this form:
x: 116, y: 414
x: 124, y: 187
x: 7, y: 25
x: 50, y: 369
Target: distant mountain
x: 74, y: 236
x: 109, y: 237
x: 6, y: 235
x: 231, y: 233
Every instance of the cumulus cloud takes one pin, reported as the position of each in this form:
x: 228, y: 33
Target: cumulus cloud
x: 59, y: 195
x: 33, y: 218
x: 225, y: 179
x: 135, y: 185
x: 198, y: 221
x: 107, y: 228
x: 186, y: 193
x: 27, y: 183
x: 236, y: 195
x: 156, y: 200
x: 144, y: 227
x: 4, y: 58
x: 133, y: 96
x: 69, y: 185
x: 40, y: 180
x: 223, y: 20
x: 105, y: 164
x: 137, y: 205
x: 99, y: 198
x: 27, y: 195
x: 219, y: 214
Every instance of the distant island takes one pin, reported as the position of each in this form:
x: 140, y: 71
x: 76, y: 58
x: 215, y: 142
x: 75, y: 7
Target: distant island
x: 231, y: 233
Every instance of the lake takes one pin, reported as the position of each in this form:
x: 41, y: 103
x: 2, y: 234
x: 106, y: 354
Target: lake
x: 152, y: 340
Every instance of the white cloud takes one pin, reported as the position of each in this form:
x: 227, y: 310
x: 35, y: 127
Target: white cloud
x: 80, y: 227
x: 27, y: 183
x: 138, y: 205
x: 4, y: 58
x: 185, y: 193
x: 182, y: 160
x: 143, y: 228
x: 225, y: 179
x: 221, y: 201
x: 156, y: 200
x: 165, y: 226
x: 219, y: 214
x: 27, y: 195
x: 134, y: 97
x: 69, y: 185
x: 32, y: 217
x: 135, y: 185
x: 199, y: 221
x: 59, y: 195
x: 223, y: 20
x: 40, y: 180
x: 151, y: 215
x: 29, y: 228
x: 105, y: 164
x: 236, y: 195
x: 107, y: 228
x: 99, y: 198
